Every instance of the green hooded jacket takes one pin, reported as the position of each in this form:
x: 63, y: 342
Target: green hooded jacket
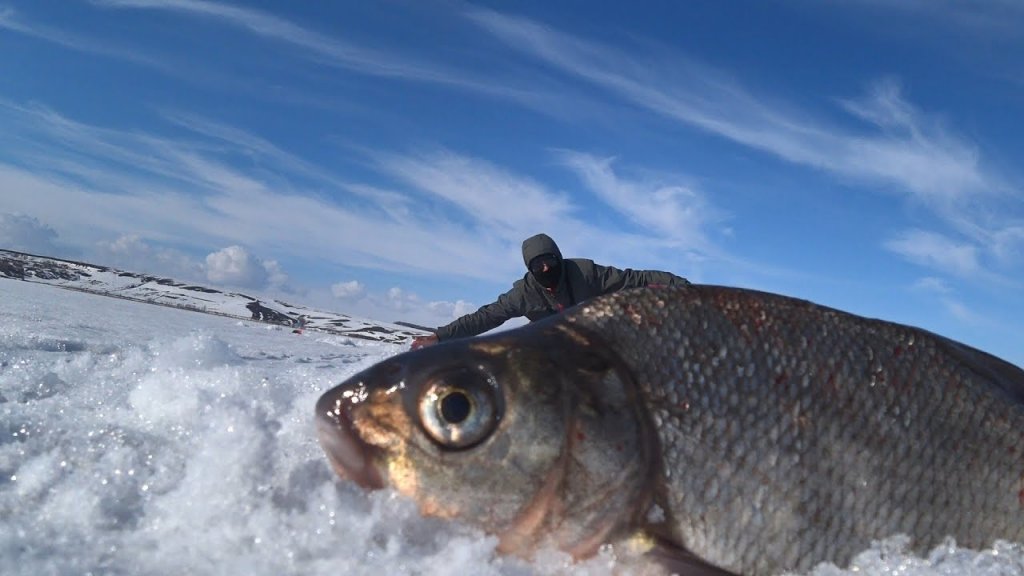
x: 581, y: 280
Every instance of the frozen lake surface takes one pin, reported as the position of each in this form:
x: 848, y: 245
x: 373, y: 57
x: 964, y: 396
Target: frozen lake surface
x: 140, y: 439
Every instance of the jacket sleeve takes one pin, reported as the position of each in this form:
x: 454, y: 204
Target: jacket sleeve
x: 509, y: 305
x: 611, y: 279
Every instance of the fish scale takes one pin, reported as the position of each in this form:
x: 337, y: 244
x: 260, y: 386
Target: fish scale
x: 854, y: 429
x: 722, y: 430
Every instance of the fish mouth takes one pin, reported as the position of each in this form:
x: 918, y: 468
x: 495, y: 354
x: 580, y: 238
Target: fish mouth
x: 350, y: 456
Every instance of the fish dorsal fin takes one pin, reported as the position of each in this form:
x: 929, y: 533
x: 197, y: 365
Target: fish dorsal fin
x: 1006, y: 377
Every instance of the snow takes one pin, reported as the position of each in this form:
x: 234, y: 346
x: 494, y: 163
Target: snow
x: 142, y: 439
x: 168, y: 292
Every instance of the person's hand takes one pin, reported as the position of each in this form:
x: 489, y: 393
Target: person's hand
x: 423, y: 341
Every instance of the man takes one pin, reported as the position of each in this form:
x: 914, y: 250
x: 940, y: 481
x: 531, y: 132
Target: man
x: 551, y: 285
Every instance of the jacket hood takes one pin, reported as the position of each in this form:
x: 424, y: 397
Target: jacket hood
x: 540, y: 244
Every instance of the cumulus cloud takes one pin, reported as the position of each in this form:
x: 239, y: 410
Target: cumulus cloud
x: 24, y: 233
x: 352, y: 290
x: 128, y: 245
x: 132, y: 253
x: 396, y: 303
x: 276, y: 278
x: 401, y: 300
x: 235, y: 266
x: 451, y: 310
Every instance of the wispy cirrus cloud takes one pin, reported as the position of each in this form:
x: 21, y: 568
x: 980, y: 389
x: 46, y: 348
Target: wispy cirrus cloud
x: 947, y: 298
x: 1002, y: 18
x: 437, y: 211
x: 672, y: 219
x: 11, y: 20
x: 332, y: 51
x: 273, y: 27
x: 499, y: 201
x: 933, y: 250
x: 537, y: 92
x: 191, y: 189
x: 910, y: 152
x: 666, y: 205
x: 896, y: 147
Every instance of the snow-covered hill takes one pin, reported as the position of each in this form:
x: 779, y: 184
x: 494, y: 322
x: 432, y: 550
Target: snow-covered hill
x: 168, y: 292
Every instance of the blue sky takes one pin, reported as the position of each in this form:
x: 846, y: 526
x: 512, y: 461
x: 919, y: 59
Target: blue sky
x: 386, y: 159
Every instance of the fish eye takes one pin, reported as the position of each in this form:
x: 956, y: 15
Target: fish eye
x: 456, y: 407
x: 459, y: 409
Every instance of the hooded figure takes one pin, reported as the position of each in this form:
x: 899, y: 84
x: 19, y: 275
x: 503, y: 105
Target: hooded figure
x: 551, y: 284
x: 543, y: 259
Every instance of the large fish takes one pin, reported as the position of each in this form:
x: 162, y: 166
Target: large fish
x: 729, y: 431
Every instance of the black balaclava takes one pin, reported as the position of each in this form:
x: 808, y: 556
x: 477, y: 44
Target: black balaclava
x: 541, y: 245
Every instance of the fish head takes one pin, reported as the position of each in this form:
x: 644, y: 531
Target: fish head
x: 532, y: 434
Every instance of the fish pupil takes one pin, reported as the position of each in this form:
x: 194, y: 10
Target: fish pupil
x: 455, y: 407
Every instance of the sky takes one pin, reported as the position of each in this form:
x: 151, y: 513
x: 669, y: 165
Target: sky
x: 386, y: 159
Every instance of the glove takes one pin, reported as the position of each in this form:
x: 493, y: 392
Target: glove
x: 423, y: 341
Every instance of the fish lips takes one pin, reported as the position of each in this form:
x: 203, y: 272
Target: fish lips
x: 349, y: 455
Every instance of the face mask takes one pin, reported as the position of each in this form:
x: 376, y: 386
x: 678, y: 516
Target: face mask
x: 548, y: 279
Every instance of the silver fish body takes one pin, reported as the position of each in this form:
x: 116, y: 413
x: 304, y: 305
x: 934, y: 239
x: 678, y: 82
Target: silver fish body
x: 735, y: 431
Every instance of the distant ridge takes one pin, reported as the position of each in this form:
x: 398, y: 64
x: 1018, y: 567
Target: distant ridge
x: 150, y: 289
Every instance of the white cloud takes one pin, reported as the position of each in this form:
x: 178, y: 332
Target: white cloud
x: 936, y: 251
x: 189, y: 189
x: 351, y: 290
x: 276, y: 278
x: 392, y: 304
x: 23, y: 233
x: 911, y: 152
x: 9, y: 20
x: 898, y: 147
x: 234, y: 266
x: 449, y: 311
x: 462, y: 308
x: 933, y: 285
x: 132, y: 253
x: 504, y: 203
x: 448, y: 214
x: 947, y: 298
x: 273, y: 27
x: 402, y: 301
x: 962, y: 312
x: 1008, y: 244
x: 885, y: 107
x: 127, y: 246
x: 666, y: 206
x: 332, y: 51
